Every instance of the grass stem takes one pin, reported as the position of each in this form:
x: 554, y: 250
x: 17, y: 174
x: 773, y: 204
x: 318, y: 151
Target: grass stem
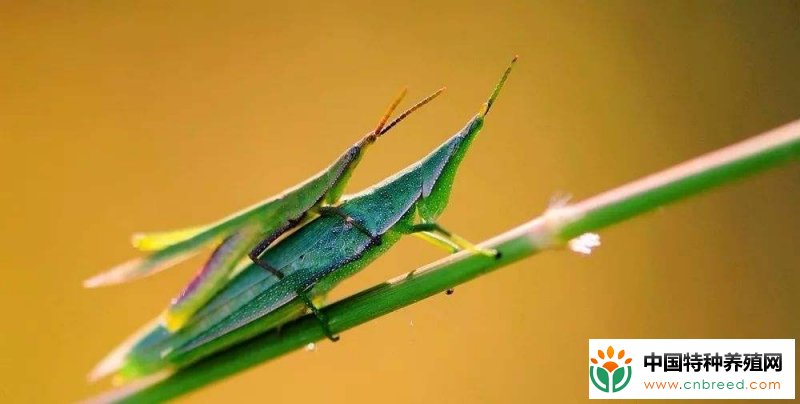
x: 553, y: 229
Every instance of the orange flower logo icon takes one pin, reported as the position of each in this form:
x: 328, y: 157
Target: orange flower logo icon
x: 610, y: 374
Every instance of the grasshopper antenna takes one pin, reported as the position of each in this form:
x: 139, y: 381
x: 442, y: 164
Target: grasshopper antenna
x: 389, y: 111
x: 410, y: 110
x: 383, y: 127
x: 497, y: 88
x: 372, y: 136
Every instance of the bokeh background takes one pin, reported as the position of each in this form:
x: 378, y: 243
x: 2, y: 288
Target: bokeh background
x: 123, y: 116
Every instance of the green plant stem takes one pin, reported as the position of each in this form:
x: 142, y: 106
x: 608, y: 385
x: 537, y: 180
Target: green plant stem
x: 553, y: 229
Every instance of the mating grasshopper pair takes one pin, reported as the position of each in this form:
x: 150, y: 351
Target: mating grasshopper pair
x: 239, y: 234
x: 296, y: 273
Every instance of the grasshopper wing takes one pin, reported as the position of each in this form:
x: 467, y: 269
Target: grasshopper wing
x: 314, y: 251
x: 155, y: 241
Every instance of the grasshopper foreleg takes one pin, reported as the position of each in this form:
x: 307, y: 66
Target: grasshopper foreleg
x: 438, y: 236
x: 437, y: 241
x: 441, y: 237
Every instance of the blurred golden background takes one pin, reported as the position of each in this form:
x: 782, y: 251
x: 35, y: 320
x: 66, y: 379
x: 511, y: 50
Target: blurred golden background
x: 117, y: 117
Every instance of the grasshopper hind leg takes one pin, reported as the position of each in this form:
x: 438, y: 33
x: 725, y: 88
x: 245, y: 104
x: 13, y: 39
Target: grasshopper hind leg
x: 255, y: 256
x: 258, y: 250
x: 322, y: 319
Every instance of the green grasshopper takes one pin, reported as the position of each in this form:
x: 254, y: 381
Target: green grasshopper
x: 241, y: 232
x: 305, y: 265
